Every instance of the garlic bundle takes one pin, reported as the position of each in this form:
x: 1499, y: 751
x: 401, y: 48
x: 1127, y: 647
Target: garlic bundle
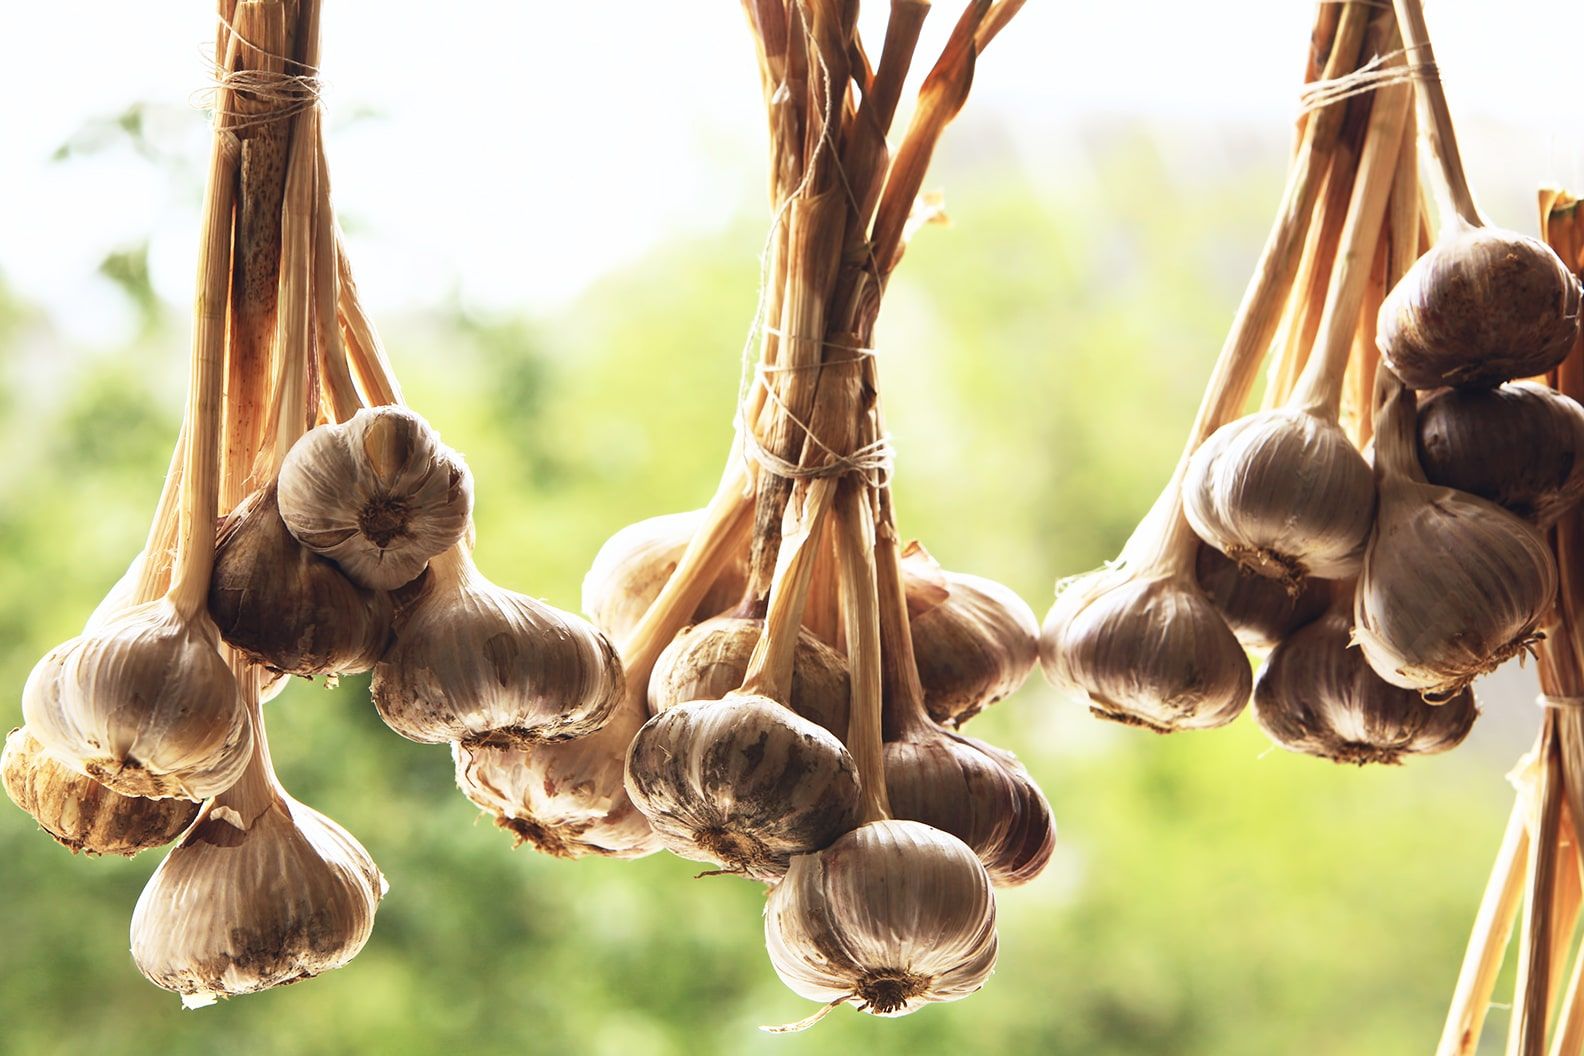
x: 1519, y: 445
x: 379, y: 494
x: 1452, y: 585
x: 634, y: 564
x: 1317, y: 695
x: 143, y: 704
x: 974, y: 640
x: 565, y: 798
x: 709, y: 660
x: 260, y: 892
x: 79, y: 812
x: 284, y: 606
x: 743, y: 781
x: 476, y: 663
x: 893, y: 916
x: 1260, y: 611
x: 1484, y: 305
x: 1284, y: 492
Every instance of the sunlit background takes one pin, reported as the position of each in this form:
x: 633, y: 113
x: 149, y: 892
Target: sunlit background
x: 555, y: 213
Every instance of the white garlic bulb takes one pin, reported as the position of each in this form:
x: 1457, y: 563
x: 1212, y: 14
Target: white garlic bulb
x: 633, y: 565
x: 742, y: 781
x: 476, y: 663
x: 81, y: 814
x: 249, y: 901
x: 143, y: 704
x: 565, y: 799
x: 379, y: 494
x: 892, y: 916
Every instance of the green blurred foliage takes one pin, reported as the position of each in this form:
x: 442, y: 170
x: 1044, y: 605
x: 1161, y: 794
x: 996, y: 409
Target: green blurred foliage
x: 1042, y: 358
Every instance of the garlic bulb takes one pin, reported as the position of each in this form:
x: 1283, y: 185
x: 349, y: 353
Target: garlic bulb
x: 892, y: 916
x: 565, y: 799
x: 476, y: 663
x: 79, y: 812
x: 632, y: 567
x: 709, y: 660
x: 979, y: 794
x: 1147, y: 650
x: 974, y: 640
x: 1318, y: 696
x: 142, y: 704
x: 742, y: 781
x: 250, y: 901
x: 1452, y: 585
x: 1482, y: 307
x: 1519, y: 445
x: 379, y: 494
x: 284, y: 606
x: 1260, y: 611
x: 1283, y: 493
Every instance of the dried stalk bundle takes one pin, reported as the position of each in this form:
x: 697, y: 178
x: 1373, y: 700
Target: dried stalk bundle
x: 345, y: 547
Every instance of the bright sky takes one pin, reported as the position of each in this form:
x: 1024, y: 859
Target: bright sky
x: 522, y: 148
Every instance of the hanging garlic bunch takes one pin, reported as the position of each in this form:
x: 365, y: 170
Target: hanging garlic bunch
x: 79, y: 812
x: 1284, y: 492
x: 1140, y: 640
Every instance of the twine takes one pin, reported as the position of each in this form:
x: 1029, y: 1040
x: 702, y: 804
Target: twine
x: 872, y: 461
x: 1373, y: 75
x: 290, y: 92
x: 1560, y: 702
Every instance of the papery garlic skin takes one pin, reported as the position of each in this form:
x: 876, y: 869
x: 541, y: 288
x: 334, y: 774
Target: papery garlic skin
x: 979, y: 794
x: 742, y: 781
x: 1261, y: 611
x: 287, y: 608
x: 245, y: 904
x: 1147, y: 650
x: 1519, y: 445
x: 974, y: 647
x: 1283, y: 493
x: 1452, y: 587
x: 143, y: 704
x: 633, y: 565
x: 476, y: 663
x: 566, y: 799
x: 379, y: 494
x: 1482, y: 307
x: 893, y: 916
x: 1318, y: 696
x: 709, y: 660
x: 81, y: 814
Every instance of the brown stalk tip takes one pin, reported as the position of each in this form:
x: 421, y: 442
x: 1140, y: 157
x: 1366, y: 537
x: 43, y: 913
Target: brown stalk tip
x: 542, y: 838
x: 885, y: 992
x: 1260, y: 561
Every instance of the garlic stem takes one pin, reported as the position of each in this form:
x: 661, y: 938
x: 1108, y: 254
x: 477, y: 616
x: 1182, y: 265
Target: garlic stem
x: 905, y: 716
x: 769, y: 671
x: 294, y: 327
x: 1432, y: 101
x: 201, y: 476
x: 1396, y: 429
x: 258, y: 788
x: 364, y: 350
x: 1532, y: 1000
x: 855, y: 534
x: 154, y: 572
x: 1487, y: 946
x: 335, y: 378
x: 1319, y: 388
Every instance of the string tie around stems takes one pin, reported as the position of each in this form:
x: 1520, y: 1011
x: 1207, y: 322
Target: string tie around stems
x: 275, y: 95
x: 1560, y: 702
x: 1375, y: 74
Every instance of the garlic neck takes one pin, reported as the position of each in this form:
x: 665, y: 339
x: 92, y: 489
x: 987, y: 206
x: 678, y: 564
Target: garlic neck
x: 1458, y: 199
x: 904, y: 715
x: 257, y: 789
x: 1396, y: 430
